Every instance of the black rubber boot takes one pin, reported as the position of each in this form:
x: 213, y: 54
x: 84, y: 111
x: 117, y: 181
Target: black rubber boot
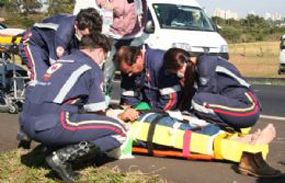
x: 60, y: 159
x: 24, y: 140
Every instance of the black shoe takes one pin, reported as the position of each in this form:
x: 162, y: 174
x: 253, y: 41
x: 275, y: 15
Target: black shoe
x: 63, y: 168
x: 253, y: 164
x: 24, y: 140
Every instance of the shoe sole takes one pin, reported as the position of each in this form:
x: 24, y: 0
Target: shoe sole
x: 58, y: 171
x: 249, y: 173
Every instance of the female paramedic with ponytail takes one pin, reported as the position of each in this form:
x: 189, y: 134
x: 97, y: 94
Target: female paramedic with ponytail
x: 214, y: 89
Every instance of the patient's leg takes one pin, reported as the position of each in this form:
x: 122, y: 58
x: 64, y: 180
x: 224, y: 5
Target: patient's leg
x: 250, y: 138
x: 264, y: 136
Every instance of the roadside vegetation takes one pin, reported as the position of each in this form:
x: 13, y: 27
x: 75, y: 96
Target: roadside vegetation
x: 252, y: 28
x: 23, y: 14
x: 23, y: 166
x: 257, y: 59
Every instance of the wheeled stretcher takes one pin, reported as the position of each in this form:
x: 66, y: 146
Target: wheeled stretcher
x: 13, y: 76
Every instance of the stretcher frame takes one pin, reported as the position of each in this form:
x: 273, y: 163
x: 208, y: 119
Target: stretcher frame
x: 13, y: 95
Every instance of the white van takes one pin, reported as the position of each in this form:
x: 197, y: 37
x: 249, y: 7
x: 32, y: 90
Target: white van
x: 281, y: 69
x: 183, y: 24
x: 177, y: 23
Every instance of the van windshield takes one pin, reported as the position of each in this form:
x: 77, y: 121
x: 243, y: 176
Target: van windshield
x: 171, y: 16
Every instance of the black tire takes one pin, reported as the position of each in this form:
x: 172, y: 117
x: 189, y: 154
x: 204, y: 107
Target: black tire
x: 13, y: 109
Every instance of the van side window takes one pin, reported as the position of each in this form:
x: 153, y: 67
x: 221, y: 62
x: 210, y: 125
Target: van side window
x: 163, y: 14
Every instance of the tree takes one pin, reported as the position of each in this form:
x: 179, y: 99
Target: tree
x: 23, y: 6
x: 60, y: 6
x: 3, y: 2
x: 31, y: 6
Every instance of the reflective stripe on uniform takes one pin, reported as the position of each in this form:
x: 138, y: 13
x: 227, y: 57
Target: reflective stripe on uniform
x: 129, y: 93
x: 168, y: 90
x: 171, y: 101
x: 65, y: 61
x: 230, y: 73
x: 252, y: 109
x: 94, y: 107
x: 70, y: 83
x: 52, y: 61
x: 235, y: 109
x: 46, y: 25
x: 91, y: 124
x: 202, y: 108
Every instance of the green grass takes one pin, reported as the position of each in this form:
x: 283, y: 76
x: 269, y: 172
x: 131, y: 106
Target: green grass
x: 23, y: 166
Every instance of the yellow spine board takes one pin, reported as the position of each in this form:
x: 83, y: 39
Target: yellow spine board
x: 232, y: 150
x: 223, y: 148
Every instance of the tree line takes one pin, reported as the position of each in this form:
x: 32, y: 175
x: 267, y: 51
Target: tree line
x: 250, y: 29
x: 24, y: 13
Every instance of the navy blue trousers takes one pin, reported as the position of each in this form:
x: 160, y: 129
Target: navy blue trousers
x: 237, y: 111
x: 56, y: 126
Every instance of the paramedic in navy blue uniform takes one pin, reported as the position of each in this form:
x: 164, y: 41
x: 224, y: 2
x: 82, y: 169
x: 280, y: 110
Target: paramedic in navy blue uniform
x: 222, y: 95
x: 143, y: 79
x: 66, y: 110
x: 54, y: 37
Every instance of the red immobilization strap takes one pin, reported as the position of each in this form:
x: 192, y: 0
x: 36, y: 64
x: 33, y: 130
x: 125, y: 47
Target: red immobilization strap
x: 186, y: 143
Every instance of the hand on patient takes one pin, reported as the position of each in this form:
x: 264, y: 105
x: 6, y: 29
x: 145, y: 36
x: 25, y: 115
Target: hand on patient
x: 129, y: 114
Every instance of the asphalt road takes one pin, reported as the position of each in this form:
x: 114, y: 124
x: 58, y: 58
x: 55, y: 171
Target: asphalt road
x: 272, y: 99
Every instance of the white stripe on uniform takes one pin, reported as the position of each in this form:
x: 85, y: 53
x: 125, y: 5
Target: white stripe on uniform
x: 230, y: 73
x: 129, y: 93
x: 169, y: 90
x: 94, y: 107
x: 70, y: 83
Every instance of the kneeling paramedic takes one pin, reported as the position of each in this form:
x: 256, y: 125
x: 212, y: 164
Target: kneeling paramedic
x: 66, y: 110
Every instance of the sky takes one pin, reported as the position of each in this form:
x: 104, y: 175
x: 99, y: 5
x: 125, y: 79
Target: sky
x: 242, y: 7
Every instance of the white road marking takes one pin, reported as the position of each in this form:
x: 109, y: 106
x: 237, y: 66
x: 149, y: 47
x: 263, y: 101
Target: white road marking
x: 273, y: 117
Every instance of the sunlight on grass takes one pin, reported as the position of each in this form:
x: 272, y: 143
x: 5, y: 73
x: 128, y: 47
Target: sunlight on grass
x: 23, y: 166
x: 256, y: 59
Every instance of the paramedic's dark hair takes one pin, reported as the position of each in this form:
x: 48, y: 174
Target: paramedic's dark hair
x: 89, y: 18
x: 96, y: 40
x: 127, y: 54
x: 174, y: 59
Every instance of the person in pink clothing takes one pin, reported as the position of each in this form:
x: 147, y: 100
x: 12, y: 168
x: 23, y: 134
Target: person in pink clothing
x: 123, y: 21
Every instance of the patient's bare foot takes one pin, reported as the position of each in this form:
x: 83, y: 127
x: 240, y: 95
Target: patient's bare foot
x: 255, y: 136
x: 266, y: 135
x: 250, y: 138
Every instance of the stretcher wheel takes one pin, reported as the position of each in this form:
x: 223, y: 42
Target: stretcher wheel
x: 13, y: 109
